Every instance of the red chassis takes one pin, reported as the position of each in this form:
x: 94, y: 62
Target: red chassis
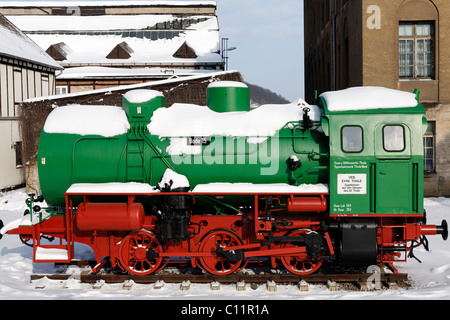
x: 122, y: 234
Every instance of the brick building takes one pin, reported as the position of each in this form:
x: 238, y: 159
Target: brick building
x: 399, y: 44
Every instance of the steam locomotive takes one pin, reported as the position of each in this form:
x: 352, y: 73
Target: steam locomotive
x: 223, y: 186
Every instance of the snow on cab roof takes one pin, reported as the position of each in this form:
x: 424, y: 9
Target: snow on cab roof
x: 366, y: 98
x: 14, y: 43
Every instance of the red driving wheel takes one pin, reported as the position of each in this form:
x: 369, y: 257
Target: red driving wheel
x: 301, y: 263
x: 133, y: 253
x: 215, y: 263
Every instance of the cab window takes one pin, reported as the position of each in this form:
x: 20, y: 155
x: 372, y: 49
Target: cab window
x: 352, y: 139
x: 394, y: 138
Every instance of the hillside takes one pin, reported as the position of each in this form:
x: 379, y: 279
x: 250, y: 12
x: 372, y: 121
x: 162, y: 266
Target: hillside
x: 260, y: 96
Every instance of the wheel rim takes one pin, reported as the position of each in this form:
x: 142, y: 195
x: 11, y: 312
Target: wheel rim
x: 133, y: 253
x: 215, y: 264
x: 301, y: 263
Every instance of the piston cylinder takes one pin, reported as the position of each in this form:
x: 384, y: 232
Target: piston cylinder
x: 110, y: 216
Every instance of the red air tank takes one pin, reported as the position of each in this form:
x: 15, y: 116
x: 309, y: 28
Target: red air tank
x: 307, y: 204
x: 110, y: 216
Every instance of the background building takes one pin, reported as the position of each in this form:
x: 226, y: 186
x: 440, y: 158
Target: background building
x: 26, y: 71
x: 399, y: 44
x: 110, y: 43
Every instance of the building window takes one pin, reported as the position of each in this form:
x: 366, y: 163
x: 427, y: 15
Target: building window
x: 18, y: 88
x: 62, y: 89
x: 429, y: 148
x: 18, y: 150
x: 45, y: 85
x: 416, y: 50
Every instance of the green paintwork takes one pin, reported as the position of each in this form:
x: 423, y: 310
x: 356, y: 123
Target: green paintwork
x: 140, y: 157
x: 228, y: 99
x: 379, y: 181
x: 142, y: 112
x: 260, y: 163
x: 383, y: 182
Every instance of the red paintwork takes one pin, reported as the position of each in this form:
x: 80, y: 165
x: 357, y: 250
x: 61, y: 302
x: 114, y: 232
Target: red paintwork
x: 122, y: 232
x: 307, y: 204
x: 110, y: 216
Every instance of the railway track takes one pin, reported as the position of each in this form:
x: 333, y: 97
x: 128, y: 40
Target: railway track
x: 342, y: 280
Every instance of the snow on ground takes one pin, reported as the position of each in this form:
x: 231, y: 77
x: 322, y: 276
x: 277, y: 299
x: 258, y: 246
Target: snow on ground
x: 430, y: 280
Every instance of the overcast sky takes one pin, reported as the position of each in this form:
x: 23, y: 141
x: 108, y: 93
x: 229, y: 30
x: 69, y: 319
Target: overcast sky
x: 268, y: 35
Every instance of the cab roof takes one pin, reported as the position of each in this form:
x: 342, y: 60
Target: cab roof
x: 369, y: 100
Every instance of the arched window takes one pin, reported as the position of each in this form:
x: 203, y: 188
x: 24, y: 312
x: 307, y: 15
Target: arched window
x: 417, y: 34
x: 416, y: 50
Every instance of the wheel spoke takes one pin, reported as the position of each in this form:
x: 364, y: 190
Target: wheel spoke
x: 215, y: 264
x: 302, y: 263
x: 133, y: 253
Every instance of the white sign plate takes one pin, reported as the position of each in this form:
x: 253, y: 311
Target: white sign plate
x: 352, y: 184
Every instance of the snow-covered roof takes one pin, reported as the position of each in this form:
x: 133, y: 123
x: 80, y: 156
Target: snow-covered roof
x: 210, y: 76
x: 365, y: 98
x: 14, y: 43
x: 108, y: 72
x: 152, y: 39
x: 104, y: 3
x: 36, y: 23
